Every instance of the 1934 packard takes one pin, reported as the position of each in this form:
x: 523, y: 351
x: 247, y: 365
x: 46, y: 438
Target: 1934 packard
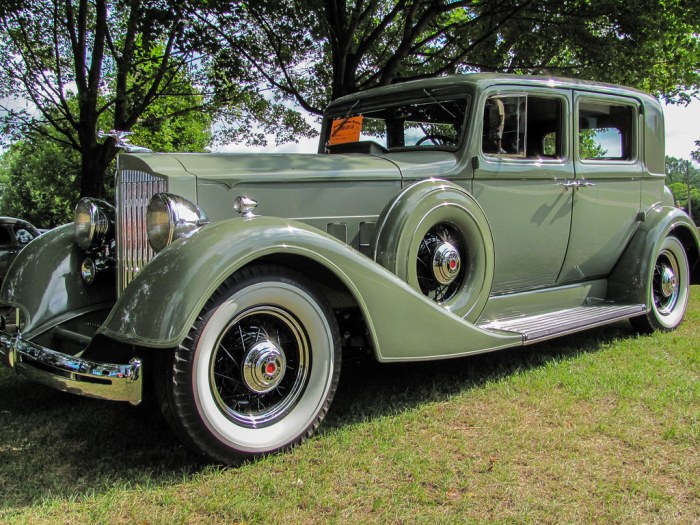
x: 440, y: 218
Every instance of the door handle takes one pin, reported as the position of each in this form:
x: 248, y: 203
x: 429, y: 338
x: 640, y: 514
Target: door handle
x: 568, y: 184
x: 575, y: 184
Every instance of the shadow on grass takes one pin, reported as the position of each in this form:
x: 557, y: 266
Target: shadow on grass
x: 59, y: 445
x: 369, y: 390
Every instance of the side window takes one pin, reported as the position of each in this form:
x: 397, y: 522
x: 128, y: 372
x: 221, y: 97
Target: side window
x: 523, y: 126
x: 606, y: 131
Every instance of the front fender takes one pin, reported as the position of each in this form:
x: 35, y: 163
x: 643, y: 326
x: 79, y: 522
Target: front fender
x: 630, y: 280
x: 44, y: 282
x: 160, y: 305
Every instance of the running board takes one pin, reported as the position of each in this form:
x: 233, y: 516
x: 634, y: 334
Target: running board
x: 540, y: 327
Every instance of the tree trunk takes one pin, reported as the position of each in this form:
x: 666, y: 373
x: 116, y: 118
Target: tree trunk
x: 95, y: 161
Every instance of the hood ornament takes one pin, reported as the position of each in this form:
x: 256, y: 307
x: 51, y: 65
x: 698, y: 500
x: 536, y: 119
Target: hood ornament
x: 122, y: 141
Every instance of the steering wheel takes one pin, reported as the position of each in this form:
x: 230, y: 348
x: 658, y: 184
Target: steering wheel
x: 438, y: 140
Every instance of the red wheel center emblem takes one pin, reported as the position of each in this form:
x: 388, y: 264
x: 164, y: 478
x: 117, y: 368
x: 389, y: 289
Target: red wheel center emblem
x: 453, y: 264
x: 270, y: 368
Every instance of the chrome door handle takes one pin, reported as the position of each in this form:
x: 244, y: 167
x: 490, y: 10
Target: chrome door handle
x: 575, y: 184
x: 568, y: 184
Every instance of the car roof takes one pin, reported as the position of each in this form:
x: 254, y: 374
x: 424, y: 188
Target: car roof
x: 484, y: 80
x: 14, y: 220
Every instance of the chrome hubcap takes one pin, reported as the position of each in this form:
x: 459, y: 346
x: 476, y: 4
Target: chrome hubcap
x: 666, y: 285
x: 446, y: 263
x: 264, y: 367
x: 259, y: 367
x: 440, y: 268
x: 669, y: 282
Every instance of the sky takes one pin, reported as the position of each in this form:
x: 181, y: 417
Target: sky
x: 682, y: 130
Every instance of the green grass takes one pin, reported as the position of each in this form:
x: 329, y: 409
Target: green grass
x: 601, y: 427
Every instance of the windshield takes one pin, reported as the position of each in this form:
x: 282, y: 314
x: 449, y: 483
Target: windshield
x: 430, y: 121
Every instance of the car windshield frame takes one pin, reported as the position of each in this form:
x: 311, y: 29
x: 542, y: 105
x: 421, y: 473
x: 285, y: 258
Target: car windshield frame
x: 444, y: 99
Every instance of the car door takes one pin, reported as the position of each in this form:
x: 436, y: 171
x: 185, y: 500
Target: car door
x: 520, y: 179
x: 607, y: 194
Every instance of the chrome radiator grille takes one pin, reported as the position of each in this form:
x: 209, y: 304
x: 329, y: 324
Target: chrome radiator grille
x: 134, y: 191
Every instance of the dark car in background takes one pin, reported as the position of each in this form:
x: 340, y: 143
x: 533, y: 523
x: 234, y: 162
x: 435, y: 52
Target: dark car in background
x: 15, y: 234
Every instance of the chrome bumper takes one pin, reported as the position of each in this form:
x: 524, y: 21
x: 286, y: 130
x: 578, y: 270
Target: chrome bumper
x: 72, y: 374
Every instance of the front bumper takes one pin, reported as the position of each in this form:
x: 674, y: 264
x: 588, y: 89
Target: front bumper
x: 70, y: 373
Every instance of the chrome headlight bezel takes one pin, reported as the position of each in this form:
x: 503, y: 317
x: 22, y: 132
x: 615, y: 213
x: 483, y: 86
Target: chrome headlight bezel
x: 93, y: 220
x: 170, y: 217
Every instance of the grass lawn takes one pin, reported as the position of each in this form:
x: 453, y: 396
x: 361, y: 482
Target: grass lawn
x: 600, y: 427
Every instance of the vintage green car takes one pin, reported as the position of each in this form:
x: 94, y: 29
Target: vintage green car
x: 440, y: 218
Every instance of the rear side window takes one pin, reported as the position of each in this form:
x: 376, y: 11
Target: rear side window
x: 606, y: 131
x: 522, y: 126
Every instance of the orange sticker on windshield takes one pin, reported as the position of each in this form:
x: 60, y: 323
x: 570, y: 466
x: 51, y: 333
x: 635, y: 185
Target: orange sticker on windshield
x: 345, y: 130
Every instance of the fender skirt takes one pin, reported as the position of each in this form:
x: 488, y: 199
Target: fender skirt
x: 158, y: 308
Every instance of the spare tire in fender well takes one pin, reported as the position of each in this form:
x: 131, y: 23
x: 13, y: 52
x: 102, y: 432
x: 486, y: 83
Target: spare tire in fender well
x: 436, y: 237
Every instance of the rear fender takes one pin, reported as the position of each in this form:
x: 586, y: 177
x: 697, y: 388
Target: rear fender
x: 160, y: 305
x: 630, y: 280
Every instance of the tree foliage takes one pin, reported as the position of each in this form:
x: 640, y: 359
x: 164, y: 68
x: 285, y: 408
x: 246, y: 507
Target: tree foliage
x: 39, y: 178
x: 696, y: 154
x: 38, y: 182
x: 312, y: 51
x: 71, y: 67
x: 99, y: 53
x: 681, y: 170
x: 683, y: 179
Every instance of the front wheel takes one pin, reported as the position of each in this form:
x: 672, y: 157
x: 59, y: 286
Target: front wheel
x: 668, y: 289
x: 259, y: 368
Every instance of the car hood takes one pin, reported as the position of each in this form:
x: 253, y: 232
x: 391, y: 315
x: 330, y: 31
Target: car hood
x: 231, y: 169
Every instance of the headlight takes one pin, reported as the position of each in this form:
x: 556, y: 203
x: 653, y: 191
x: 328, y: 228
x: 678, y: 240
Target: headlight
x: 93, y: 220
x: 170, y: 217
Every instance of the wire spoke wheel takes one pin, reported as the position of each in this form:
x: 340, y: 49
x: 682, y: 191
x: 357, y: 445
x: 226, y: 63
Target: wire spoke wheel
x: 440, y: 262
x: 259, y: 368
x: 668, y: 289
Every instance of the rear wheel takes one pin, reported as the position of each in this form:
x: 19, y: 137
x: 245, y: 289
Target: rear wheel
x: 668, y: 289
x: 259, y: 368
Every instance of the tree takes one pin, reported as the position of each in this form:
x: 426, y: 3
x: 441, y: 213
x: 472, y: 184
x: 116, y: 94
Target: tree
x: 99, y: 53
x: 680, y: 196
x: 38, y: 182
x: 681, y: 170
x: 683, y: 178
x: 71, y: 67
x: 696, y: 154
x: 313, y: 51
x: 39, y: 178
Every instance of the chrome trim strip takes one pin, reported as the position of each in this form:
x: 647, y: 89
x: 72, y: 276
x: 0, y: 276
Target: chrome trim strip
x: 72, y: 374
